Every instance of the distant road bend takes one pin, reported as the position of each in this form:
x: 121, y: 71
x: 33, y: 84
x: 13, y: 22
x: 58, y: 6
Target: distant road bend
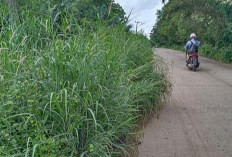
x: 197, y: 121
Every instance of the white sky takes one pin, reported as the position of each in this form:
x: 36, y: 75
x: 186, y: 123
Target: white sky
x: 142, y: 11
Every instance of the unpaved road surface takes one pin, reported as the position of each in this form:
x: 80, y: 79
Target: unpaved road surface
x: 197, y: 120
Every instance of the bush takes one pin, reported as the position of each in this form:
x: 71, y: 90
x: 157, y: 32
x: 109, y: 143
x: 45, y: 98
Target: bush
x: 222, y: 54
x: 75, y: 94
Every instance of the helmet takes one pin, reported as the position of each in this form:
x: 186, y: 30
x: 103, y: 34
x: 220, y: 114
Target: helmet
x: 193, y: 35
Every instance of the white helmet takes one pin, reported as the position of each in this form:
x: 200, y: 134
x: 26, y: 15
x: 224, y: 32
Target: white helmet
x: 193, y: 35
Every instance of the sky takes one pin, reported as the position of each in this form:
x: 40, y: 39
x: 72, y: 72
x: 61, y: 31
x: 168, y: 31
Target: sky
x: 142, y: 11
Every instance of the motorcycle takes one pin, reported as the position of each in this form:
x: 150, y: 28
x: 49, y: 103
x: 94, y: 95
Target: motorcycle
x: 192, y: 61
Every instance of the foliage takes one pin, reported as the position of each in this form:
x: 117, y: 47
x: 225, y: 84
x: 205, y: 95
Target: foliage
x: 71, y: 93
x: 81, y: 10
x: 210, y: 19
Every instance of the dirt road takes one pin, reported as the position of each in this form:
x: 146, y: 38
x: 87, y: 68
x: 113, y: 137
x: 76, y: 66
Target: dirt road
x: 197, y: 121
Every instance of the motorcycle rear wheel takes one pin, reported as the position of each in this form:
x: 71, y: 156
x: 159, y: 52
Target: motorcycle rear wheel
x: 194, y: 68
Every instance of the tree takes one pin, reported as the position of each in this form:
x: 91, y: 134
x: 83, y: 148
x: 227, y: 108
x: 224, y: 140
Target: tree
x: 84, y: 11
x: 210, y: 19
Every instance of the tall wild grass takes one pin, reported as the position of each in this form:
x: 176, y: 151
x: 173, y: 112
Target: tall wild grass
x: 223, y: 53
x: 72, y: 93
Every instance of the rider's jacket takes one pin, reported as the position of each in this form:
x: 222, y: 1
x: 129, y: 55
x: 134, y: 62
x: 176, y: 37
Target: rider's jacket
x: 197, y: 43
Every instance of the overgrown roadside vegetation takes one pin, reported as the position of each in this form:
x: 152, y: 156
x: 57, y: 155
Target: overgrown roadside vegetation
x: 210, y: 19
x: 70, y: 89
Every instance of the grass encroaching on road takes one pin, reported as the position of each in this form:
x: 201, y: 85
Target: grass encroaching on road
x: 77, y: 94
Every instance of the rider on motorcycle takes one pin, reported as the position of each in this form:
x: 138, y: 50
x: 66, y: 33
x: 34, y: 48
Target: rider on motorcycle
x: 192, y: 47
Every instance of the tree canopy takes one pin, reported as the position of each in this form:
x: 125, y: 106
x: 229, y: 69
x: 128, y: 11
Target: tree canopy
x: 103, y: 10
x: 210, y: 19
